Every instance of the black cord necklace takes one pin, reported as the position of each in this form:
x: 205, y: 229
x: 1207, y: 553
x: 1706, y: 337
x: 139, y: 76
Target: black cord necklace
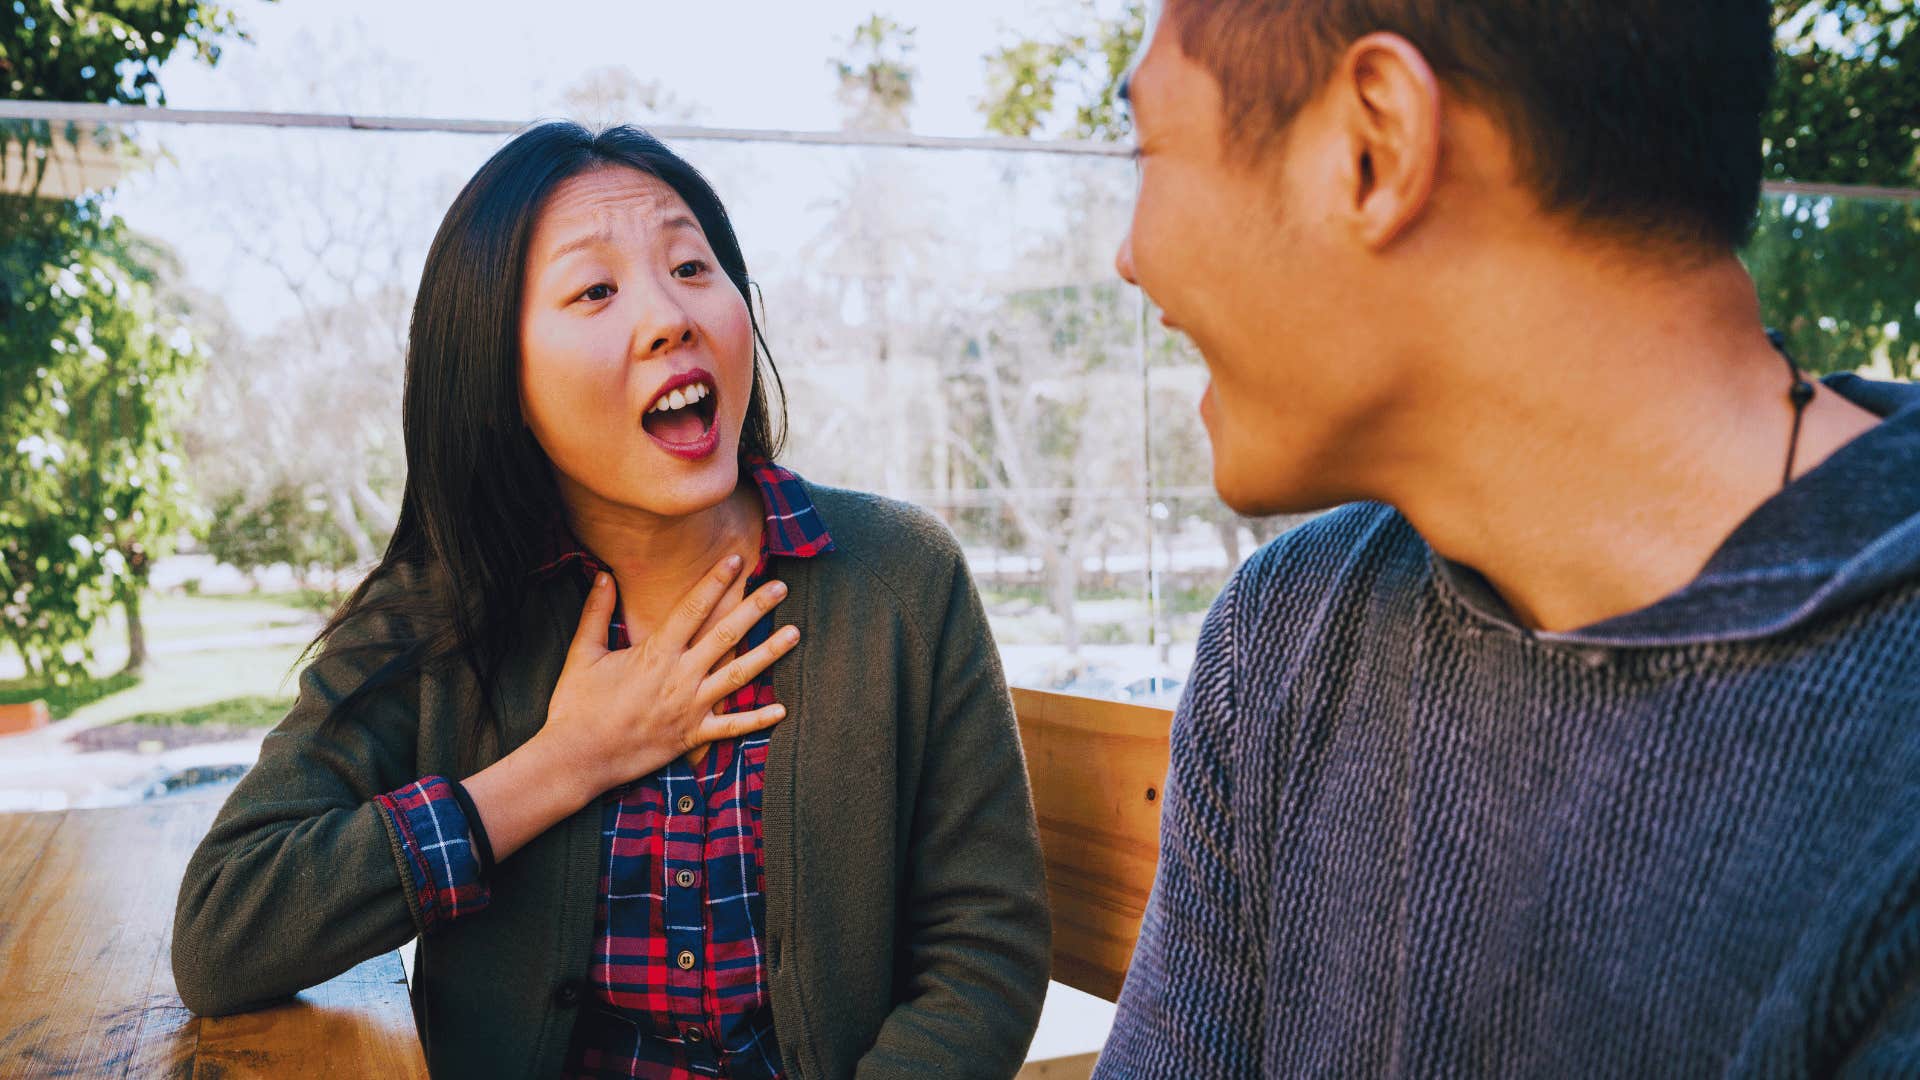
x: 1799, y: 394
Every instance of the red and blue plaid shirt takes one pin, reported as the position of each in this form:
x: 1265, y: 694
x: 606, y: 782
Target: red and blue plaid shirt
x: 679, y: 976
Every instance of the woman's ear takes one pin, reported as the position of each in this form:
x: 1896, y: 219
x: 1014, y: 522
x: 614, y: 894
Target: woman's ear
x: 1390, y: 103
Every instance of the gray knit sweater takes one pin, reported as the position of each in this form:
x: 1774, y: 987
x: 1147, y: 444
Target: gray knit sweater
x: 1404, y: 836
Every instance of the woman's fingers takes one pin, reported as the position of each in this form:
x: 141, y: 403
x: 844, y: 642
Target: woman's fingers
x: 590, y: 638
x: 741, y: 670
x: 692, y: 610
x: 732, y: 628
x: 717, y: 728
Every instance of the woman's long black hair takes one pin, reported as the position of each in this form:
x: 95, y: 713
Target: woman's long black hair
x: 480, y: 498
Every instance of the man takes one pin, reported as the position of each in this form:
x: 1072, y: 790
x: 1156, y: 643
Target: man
x: 1582, y: 743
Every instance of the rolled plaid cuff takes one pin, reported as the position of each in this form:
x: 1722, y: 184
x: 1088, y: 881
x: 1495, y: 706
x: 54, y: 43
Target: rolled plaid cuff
x: 441, y: 859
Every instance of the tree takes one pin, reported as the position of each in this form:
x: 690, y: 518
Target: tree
x: 1836, y: 274
x: 289, y: 526
x: 1846, y: 105
x: 615, y: 95
x: 1030, y: 80
x: 311, y: 405
x: 1041, y: 379
x: 876, y: 75
x: 878, y: 251
x: 90, y: 492
x: 91, y: 365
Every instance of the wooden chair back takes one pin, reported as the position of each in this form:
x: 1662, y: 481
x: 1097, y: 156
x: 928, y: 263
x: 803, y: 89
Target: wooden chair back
x: 1097, y: 768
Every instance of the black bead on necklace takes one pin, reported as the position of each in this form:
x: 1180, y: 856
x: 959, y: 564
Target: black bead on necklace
x: 1799, y: 394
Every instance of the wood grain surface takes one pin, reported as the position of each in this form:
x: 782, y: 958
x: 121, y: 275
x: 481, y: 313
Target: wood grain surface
x: 86, y: 983
x: 1097, y: 768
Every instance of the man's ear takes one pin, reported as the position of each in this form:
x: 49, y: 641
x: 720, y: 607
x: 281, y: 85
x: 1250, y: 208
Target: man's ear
x: 1388, y: 100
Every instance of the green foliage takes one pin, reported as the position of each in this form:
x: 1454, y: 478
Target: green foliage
x: 66, y: 50
x: 249, y: 711
x: 1027, y: 79
x: 91, y: 373
x: 91, y: 368
x: 288, y: 526
x: 63, y: 699
x: 876, y: 76
x: 1838, y: 276
x: 1846, y: 107
x: 1838, y: 273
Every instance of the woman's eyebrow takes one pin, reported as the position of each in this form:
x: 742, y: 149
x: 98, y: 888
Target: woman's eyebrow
x: 604, y: 237
x: 581, y: 243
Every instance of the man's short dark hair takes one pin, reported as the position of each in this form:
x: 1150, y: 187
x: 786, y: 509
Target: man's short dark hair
x: 1638, y: 116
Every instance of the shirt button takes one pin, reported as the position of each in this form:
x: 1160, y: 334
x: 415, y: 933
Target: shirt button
x: 685, y: 960
x: 684, y: 879
x: 686, y: 804
x: 694, y: 1035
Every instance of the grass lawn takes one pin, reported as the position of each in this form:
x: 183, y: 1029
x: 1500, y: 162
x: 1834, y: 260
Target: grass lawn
x: 251, y: 710
x: 226, y: 661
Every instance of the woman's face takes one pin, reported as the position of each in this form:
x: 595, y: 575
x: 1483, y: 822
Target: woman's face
x: 636, y: 350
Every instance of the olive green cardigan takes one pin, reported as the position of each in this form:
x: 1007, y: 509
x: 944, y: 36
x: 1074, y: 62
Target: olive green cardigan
x: 906, y: 905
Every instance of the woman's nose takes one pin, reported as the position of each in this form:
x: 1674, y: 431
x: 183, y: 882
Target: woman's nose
x: 663, y: 328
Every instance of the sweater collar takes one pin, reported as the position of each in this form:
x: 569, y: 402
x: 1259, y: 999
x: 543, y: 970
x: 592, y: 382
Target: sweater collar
x: 1844, y: 532
x: 793, y: 527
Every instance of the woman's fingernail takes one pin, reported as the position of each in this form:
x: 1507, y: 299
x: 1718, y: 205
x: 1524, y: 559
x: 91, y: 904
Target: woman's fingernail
x: 790, y: 634
x: 779, y: 710
x: 600, y: 580
x: 777, y: 590
x: 733, y: 562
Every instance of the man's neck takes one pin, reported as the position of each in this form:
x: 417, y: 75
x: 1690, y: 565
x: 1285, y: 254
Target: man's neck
x: 1611, y: 430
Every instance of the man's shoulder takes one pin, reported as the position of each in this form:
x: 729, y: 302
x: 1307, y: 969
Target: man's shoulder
x: 1360, y: 548
x: 1345, y: 584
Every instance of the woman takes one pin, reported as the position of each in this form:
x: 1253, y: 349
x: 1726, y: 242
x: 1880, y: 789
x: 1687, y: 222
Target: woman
x: 549, y: 736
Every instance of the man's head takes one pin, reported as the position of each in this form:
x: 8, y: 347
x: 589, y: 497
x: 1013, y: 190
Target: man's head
x: 1314, y: 173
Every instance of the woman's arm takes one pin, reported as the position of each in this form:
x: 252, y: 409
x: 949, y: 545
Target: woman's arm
x: 332, y: 849
x: 979, y: 935
x: 299, y: 878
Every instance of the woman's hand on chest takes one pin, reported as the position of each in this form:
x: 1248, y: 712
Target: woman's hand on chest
x: 620, y: 714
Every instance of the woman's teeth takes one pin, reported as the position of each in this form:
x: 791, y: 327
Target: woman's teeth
x: 681, y: 398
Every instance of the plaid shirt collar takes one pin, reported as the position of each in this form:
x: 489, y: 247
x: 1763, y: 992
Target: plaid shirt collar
x: 793, y: 527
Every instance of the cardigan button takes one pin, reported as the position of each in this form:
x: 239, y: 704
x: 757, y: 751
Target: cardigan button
x: 567, y: 995
x: 686, y: 804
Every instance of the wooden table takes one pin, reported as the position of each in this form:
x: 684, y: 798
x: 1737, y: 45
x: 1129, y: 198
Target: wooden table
x: 86, y: 979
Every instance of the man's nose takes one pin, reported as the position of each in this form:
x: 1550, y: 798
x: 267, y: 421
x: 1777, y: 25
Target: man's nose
x: 1123, y: 260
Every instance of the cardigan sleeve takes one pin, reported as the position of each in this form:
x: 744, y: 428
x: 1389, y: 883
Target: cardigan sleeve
x: 441, y: 855
x: 975, y: 920
x: 1191, y: 1003
x: 304, y: 874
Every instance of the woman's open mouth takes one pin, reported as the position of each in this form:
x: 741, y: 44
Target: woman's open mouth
x: 682, y: 416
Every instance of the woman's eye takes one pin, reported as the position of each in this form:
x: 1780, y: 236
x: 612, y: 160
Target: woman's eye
x: 597, y: 292
x: 690, y: 268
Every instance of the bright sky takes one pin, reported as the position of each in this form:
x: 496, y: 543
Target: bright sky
x: 743, y: 63
x: 757, y: 64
